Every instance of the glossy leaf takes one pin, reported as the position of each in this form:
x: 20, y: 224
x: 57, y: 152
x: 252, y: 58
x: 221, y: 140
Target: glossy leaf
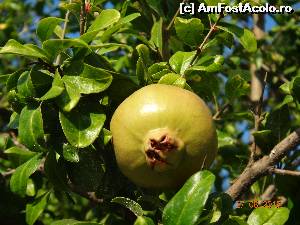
x: 142, y: 220
x: 55, y: 46
x: 186, y: 206
x: 69, y: 97
x: 83, y: 125
x: 266, y: 216
x: 245, y: 36
x: 122, y: 22
x: 90, y: 80
x: 157, y: 35
x: 31, y: 132
x: 35, y: 209
x: 174, y: 79
x: 224, y: 139
x: 14, y: 47
x: 25, y: 86
x: 70, y: 153
x: 18, y: 181
x: 105, y: 136
x: 56, y: 89
x: 210, y: 64
x: 106, y: 18
x: 46, y: 27
x: 19, y: 155
x: 189, y: 30
x: 180, y: 61
x: 130, y: 204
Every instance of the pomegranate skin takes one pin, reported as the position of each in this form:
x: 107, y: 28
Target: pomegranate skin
x: 162, y: 134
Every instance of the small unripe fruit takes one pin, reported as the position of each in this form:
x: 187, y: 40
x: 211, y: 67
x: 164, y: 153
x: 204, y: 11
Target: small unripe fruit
x: 162, y: 134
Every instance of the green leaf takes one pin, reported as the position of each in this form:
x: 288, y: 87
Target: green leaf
x: 157, y: 67
x: 70, y: 153
x: 73, y: 222
x: 123, y: 21
x: 69, y: 97
x: 142, y: 220
x: 174, y: 79
x: 13, y: 121
x: 211, y: 64
x: 106, y: 18
x: 141, y: 72
x: 189, y: 30
x: 56, y: 46
x: 285, y: 88
x: 12, y: 81
x: 235, y: 220
x: 18, y: 181
x: 89, y: 80
x: 55, y: 172
x: 87, y: 174
x: 144, y: 53
x: 186, y: 206
x: 31, y: 51
x: 245, y: 36
x: 35, y: 209
x: 224, y: 139
x: 268, y: 216
x: 83, y: 125
x: 31, y: 132
x: 16, y: 101
x: 236, y: 87
x: 41, y: 80
x: 278, y: 121
x: 295, y: 87
x: 180, y: 61
x: 157, y: 35
x: 56, y: 89
x: 46, y: 27
x: 19, y: 155
x: 105, y: 136
x: 129, y: 204
x: 25, y: 86
x: 156, y: 5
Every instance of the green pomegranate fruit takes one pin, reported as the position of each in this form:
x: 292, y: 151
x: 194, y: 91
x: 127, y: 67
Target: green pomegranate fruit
x: 163, y: 134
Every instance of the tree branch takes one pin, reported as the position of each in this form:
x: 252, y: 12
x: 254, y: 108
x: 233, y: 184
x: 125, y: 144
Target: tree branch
x: 200, y: 47
x: 263, y: 166
x: 285, y: 172
x: 82, y: 17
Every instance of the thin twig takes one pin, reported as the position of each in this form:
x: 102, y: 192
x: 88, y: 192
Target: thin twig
x: 82, y: 17
x: 58, y: 59
x: 285, y: 172
x: 174, y: 17
x: 200, y: 47
x: 220, y: 111
x: 8, y: 173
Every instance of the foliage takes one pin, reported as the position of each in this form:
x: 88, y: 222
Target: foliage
x: 59, y: 90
